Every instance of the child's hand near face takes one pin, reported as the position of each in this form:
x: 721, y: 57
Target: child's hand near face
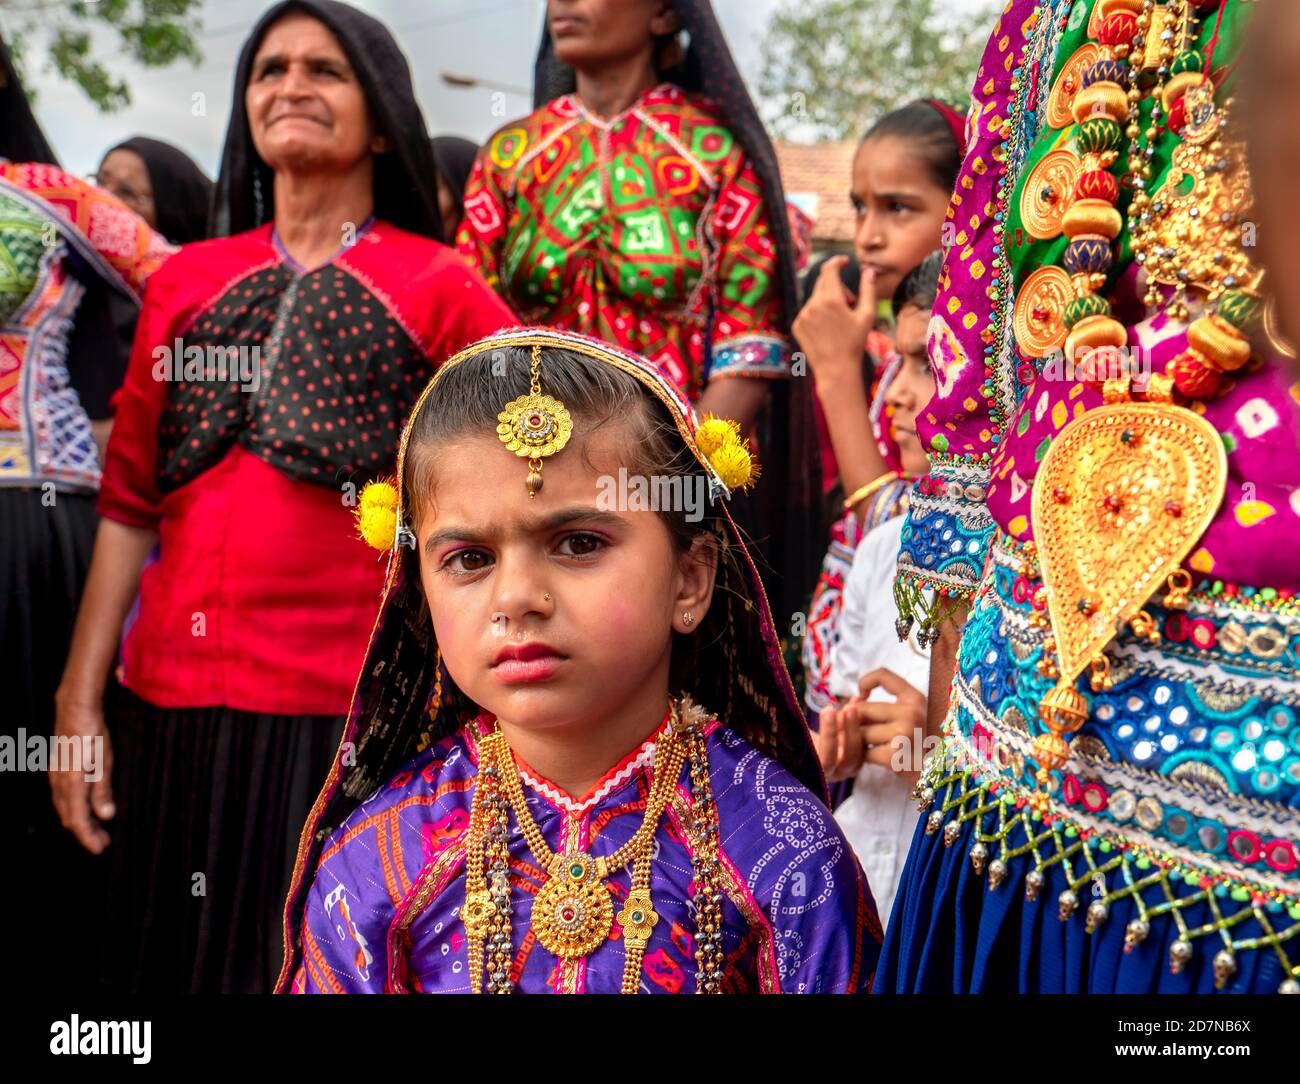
x: 832, y: 329
x: 873, y: 731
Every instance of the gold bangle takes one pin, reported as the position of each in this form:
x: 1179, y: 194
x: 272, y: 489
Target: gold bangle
x: 863, y: 492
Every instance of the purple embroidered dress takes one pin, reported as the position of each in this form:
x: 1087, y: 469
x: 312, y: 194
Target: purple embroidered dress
x: 384, y: 912
x: 381, y: 877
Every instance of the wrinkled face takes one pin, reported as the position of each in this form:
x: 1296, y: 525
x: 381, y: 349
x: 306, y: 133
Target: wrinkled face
x: 595, y: 33
x: 911, y: 388
x: 125, y: 175
x: 899, y: 208
x: 553, y: 610
x: 306, y: 109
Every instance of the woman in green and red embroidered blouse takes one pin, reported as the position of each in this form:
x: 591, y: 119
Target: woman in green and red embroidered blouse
x: 634, y: 208
x: 640, y: 202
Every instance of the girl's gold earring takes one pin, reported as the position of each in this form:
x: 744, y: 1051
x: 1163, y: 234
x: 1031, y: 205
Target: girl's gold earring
x: 688, y: 618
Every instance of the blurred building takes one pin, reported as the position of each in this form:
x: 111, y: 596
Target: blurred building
x: 816, y: 178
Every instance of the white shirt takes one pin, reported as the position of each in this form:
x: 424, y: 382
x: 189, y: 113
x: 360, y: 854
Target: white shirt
x: 879, y: 816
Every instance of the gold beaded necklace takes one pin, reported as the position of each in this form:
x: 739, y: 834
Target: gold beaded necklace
x: 572, y: 914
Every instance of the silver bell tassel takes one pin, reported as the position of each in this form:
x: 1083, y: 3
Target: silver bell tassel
x: 1225, y: 966
x: 979, y: 855
x: 997, y: 872
x: 1180, y: 955
x: 1098, y: 912
x: 1135, y: 933
x: 1033, y: 884
x: 1068, y: 902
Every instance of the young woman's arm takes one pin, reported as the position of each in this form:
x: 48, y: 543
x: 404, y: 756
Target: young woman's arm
x: 120, y: 553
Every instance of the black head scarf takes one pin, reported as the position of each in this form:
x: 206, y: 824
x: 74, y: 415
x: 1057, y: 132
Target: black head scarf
x: 787, y: 506
x: 406, y: 188
x: 21, y: 138
x: 455, y: 158
x: 182, y: 192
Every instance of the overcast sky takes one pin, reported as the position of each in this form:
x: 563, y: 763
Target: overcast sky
x: 489, y: 39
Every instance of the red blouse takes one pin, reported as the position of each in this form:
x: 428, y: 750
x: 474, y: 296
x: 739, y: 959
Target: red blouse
x: 259, y: 398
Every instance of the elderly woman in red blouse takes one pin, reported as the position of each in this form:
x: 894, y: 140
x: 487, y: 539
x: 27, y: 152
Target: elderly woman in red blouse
x: 271, y: 374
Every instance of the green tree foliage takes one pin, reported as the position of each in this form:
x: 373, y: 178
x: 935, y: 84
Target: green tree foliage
x: 152, y: 33
x: 832, y: 66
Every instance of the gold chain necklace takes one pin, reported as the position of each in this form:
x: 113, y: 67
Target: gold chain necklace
x: 572, y: 914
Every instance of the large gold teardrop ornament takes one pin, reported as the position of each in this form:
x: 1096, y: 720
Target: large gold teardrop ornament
x: 1122, y: 497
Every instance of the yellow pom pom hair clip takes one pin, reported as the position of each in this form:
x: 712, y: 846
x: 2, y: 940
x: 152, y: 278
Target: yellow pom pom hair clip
x: 377, y: 514
x: 728, y: 452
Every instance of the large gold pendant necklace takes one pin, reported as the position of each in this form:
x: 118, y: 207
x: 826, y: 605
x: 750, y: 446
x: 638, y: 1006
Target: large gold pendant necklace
x: 573, y: 914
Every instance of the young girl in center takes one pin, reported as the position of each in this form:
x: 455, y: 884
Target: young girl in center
x: 574, y: 761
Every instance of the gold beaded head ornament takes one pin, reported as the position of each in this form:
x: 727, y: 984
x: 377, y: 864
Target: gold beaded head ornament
x: 534, y: 425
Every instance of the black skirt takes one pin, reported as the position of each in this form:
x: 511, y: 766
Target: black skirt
x: 210, y: 805
x: 53, y: 888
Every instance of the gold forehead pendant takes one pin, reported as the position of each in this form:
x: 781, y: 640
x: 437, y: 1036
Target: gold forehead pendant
x: 534, y: 426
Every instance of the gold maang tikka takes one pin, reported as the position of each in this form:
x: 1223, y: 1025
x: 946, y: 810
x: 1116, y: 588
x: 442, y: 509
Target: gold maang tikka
x: 534, y: 426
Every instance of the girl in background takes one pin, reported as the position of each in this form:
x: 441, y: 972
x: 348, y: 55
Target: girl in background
x: 872, y: 734
x: 903, y: 176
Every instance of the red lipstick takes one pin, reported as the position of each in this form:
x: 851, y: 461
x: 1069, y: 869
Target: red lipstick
x: 523, y: 663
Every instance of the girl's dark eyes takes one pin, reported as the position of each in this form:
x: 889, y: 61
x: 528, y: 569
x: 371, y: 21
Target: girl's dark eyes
x: 581, y: 545
x: 469, y: 561
x: 466, y: 562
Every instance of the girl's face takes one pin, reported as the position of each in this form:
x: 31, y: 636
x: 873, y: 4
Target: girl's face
x: 911, y: 388
x: 306, y: 109
x: 555, y: 610
x: 900, y: 210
